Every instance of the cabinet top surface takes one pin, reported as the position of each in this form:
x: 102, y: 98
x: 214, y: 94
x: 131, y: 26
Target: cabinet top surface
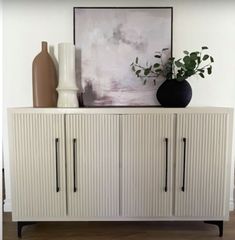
x: 121, y: 110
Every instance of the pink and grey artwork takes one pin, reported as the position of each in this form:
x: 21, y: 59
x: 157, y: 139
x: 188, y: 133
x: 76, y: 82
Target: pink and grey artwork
x: 107, y: 41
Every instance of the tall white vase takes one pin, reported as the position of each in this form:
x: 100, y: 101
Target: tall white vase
x: 67, y: 88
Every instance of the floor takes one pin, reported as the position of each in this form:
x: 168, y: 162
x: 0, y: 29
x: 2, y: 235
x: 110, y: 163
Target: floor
x: 119, y: 230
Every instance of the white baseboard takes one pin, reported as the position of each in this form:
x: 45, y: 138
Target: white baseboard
x: 7, y: 205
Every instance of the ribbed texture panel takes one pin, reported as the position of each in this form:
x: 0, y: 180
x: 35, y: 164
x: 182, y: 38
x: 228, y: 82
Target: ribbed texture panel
x: 97, y: 165
x: 33, y: 165
x: 143, y: 164
x: 205, y: 169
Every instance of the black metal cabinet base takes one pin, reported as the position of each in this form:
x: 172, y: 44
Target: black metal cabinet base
x: 220, y: 225
x: 20, y: 225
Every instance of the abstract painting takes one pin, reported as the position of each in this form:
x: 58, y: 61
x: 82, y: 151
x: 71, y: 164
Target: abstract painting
x: 107, y: 41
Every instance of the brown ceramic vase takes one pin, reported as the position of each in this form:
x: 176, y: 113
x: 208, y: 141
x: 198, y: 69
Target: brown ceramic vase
x: 44, y: 79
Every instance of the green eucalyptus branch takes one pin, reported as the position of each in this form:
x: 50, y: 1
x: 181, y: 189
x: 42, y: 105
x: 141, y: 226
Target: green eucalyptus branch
x: 149, y: 72
x: 179, y: 70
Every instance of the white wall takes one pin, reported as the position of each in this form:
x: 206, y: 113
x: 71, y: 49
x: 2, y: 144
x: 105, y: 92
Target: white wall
x: 196, y: 23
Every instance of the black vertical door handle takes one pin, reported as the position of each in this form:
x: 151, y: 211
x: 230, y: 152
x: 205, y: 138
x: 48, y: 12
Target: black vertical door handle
x: 166, y: 173
x: 74, y: 165
x: 184, y: 159
x: 57, y: 163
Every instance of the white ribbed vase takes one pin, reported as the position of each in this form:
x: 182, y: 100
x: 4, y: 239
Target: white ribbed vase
x: 67, y: 88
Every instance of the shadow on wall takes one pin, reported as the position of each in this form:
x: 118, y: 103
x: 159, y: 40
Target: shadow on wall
x: 55, y: 61
x: 78, y: 67
x: 52, y: 54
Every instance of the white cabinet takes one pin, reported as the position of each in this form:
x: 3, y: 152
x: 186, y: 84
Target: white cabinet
x: 201, y: 164
x: 147, y: 164
x: 38, y: 166
x: 120, y: 163
x: 92, y: 146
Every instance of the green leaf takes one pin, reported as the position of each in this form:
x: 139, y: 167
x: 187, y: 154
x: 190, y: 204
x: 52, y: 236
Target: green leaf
x: 204, y: 47
x: 186, y: 52
x: 193, y: 55
x: 186, y: 59
x: 212, y: 59
x: 205, y: 57
x: 157, y: 56
x: 202, y: 75
x: 136, y: 60
x: 180, y: 72
x: 189, y: 73
x: 178, y: 64
x: 191, y: 65
x: 133, y: 68
x: 132, y: 64
x: 165, y: 49
x: 158, y: 70
x: 156, y: 65
x: 209, y: 70
x: 201, y: 70
x: 146, y: 71
x: 138, y: 73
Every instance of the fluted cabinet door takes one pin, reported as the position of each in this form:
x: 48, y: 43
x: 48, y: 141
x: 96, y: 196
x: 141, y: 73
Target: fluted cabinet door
x: 147, y: 165
x: 37, y: 166
x: 93, y: 165
x: 201, y: 164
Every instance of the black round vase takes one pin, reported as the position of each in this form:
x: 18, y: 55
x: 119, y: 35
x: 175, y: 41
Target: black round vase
x: 173, y: 93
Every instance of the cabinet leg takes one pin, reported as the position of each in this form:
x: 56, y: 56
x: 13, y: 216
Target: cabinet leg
x: 20, y: 225
x: 220, y: 225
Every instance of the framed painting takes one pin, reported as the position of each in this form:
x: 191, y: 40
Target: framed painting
x: 107, y: 41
